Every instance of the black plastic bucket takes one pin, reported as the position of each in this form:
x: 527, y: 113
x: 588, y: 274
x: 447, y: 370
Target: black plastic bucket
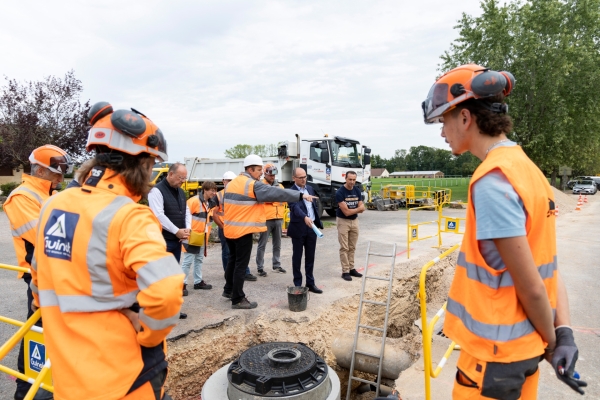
x: 297, y: 297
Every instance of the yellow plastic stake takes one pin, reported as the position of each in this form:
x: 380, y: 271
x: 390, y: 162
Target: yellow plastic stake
x: 427, y: 328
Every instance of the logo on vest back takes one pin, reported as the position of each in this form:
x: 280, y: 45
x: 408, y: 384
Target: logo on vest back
x: 58, y: 234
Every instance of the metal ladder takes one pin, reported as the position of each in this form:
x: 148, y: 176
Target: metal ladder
x: 385, y: 322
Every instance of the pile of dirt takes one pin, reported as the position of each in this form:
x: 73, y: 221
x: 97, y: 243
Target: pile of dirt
x: 196, y: 356
x: 566, y: 202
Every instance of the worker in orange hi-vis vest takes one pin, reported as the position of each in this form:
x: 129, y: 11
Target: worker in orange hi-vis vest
x: 244, y: 214
x: 109, y: 291
x: 507, y: 307
x: 22, y: 207
x: 274, y: 222
x: 201, y: 208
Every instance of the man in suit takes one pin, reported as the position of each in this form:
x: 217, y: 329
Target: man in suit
x: 303, y: 214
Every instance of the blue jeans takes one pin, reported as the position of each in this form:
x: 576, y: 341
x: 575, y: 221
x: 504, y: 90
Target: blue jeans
x: 225, y: 251
x: 196, y: 259
x: 174, y: 247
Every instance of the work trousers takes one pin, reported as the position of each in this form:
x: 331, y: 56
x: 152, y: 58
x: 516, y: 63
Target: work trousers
x: 348, y: 237
x: 476, y: 379
x: 225, y: 251
x: 240, y: 250
x: 307, y: 242
x: 196, y: 260
x: 273, y: 227
x: 22, y: 385
x: 174, y: 247
x: 151, y: 390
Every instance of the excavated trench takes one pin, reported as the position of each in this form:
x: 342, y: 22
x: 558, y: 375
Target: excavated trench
x: 194, y: 357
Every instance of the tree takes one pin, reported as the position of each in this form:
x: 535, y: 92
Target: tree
x: 33, y: 114
x: 552, y: 47
x: 242, y: 150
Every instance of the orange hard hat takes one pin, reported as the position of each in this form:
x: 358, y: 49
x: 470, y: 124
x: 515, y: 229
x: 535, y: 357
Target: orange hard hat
x: 271, y: 169
x: 470, y: 81
x: 128, y: 131
x: 54, y: 158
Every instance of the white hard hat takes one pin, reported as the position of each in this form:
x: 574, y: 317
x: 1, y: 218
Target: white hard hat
x: 229, y: 175
x: 252, y: 159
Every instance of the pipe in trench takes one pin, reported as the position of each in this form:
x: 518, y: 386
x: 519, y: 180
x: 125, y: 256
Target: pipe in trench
x: 395, y: 359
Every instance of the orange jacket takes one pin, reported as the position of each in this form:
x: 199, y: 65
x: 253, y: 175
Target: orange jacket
x: 484, y: 315
x: 102, y: 252
x: 23, y: 211
x: 243, y: 214
x: 273, y: 210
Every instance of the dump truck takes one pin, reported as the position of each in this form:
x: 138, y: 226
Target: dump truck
x: 325, y: 160
x: 160, y: 171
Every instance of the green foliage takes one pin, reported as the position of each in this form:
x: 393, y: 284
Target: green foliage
x: 7, y: 188
x: 552, y: 47
x: 423, y: 158
x: 242, y: 150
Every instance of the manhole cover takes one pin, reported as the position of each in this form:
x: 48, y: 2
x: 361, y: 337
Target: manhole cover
x: 277, y: 370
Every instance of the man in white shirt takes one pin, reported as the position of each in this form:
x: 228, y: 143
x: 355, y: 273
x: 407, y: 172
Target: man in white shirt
x: 167, y: 201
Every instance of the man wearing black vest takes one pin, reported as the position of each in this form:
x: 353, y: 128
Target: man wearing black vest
x: 167, y: 201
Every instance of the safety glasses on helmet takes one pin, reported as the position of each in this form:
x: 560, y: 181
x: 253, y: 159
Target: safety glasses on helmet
x: 61, y: 164
x: 271, y: 171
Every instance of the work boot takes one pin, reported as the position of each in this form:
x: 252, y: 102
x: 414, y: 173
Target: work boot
x: 185, y: 292
x: 182, y: 315
x: 280, y: 270
x: 314, y: 289
x: 225, y: 294
x: 355, y: 273
x: 261, y: 272
x: 202, y: 285
x: 346, y: 276
x: 245, y: 305
x: 250, y: 277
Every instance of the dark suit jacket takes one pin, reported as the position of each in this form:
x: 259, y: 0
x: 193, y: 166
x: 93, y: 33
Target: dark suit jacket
x: 298, y: 211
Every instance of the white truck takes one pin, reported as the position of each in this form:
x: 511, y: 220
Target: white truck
x: 326, y: 161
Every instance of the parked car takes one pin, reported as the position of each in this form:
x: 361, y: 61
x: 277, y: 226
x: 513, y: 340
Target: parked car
x: 596, y: 180
x: 573, y: 181
x: 586, y: 186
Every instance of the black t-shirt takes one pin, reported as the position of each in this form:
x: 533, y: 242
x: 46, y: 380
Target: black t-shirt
x: 351, y: 197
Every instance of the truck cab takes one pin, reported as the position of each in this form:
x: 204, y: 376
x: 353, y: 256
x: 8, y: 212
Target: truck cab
x: 326, y: 161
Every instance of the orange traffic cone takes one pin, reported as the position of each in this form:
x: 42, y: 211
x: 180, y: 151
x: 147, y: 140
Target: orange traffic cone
x: 580, y: 199
x: 585, y: 198
x: 556, y: 211
x: 578, y: 207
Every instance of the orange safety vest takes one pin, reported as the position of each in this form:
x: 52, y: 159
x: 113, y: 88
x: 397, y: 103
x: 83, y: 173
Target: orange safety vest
x: 484, y: 315
x: 100, y: 252
x: 273, y: 210
x: 220, y: 197
x: 22, y: 208
x: 243, y: 213
x: 200, y: 214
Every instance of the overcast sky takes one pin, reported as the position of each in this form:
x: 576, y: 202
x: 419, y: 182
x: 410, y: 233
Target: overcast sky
x: 213, y: 74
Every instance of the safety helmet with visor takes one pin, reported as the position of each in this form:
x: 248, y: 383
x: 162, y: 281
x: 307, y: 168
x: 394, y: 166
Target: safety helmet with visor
x: 270, y: 169
x: 127, y: 131
x: 470, y: 81
x: 53, y: 158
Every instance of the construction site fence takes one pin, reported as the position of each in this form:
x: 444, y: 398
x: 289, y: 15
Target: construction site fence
x: 37, y: 364
x: 427, y: 327
x: 445, y: 224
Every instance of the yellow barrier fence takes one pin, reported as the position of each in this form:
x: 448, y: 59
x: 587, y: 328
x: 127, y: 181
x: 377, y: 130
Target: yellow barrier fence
x: 449, y: 224
x: 412, y: 233
x: 37, y: 364
x: 427, y: 327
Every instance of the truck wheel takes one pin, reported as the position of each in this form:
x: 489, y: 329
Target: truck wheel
x: 330, y: 212
x: 319, y: 208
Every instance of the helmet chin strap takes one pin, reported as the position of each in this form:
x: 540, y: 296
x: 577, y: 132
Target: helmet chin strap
x: 110, y: 158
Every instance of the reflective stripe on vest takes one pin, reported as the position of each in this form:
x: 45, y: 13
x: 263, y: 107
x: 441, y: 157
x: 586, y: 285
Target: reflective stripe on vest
x: 158, y: 324
x: 243, y: 214
x: 481, y: 275
x: 24, y: 228
x: 31, y: 192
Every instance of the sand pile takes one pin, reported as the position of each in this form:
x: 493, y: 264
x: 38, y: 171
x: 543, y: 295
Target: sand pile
x: 195, y: 357
x: 566, y: 202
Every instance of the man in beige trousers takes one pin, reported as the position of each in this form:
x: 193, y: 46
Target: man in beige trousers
x: 349, y: 199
